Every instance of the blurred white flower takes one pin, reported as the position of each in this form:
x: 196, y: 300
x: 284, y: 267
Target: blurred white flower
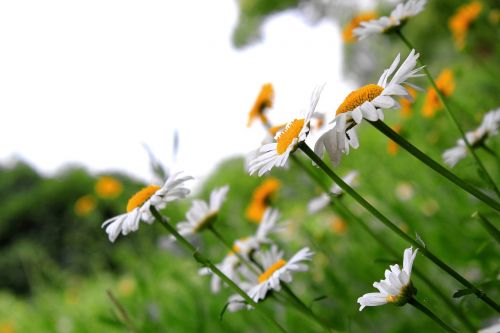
x: 245, y: 247
x: 396, y: 19
x: 318, y: 203
x: 138, y: 207
x: 202, y: 215
x: 494, y: 327
x: 276, y: 154
x: 367, y: 103
x: 477, y: 137
x: 396, y: 288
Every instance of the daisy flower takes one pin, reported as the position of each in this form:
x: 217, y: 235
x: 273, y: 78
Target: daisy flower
x: 261, y: 199
x: 396, y: 288
x: 320, y: 202
x: 460, y: 22
x: 245, y: 247
x: 276, y: 154
x: 347, y: 32
x: 399, y: 16
x: 477, y: 137
x: 367, y: 103
x: 446, y: 85
x: 276, y: 269
x: 139, y: 204
x: 263, y: 102
x: 202, y: 215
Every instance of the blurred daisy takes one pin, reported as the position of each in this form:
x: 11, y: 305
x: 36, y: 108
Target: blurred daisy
x: 276, y: 154
x: 396, y: 288
x: 245, y: 247
x: 202, y: 215
x: 460, y: 22
x: 347, y: 32
x: 263, y: 102
x: 321, y: 201
x: 261, y: 198
x: 367, y: 103
x: 446, y: 85
x: 276, y: 269
x: 138, y: 207
x: 476, y: 138
x: 399, y: 16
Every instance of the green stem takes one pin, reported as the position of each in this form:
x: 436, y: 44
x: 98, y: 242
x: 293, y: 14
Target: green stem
x: 482, y: 169
x: 431, y: 315
x: 230, y: 248
x: 387, y: 131
x: 349, y: 190
x: 121, y: 309
x: 304, y: 308
x: 200, y: 258
x: 488, y: 226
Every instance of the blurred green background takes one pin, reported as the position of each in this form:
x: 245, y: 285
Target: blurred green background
x: 57, y: 263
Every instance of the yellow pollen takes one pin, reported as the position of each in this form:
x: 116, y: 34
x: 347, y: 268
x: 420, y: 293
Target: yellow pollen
x: 391, y: 299
x: 347, y: 32
x: 286, y: 137
x: 274, y: 267
x: 235, y: 249
x: 140, y: 197
x: 358, y: 97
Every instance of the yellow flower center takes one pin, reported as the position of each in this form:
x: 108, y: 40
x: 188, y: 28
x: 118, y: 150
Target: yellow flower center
x: 140, y: 197
x: 286, y: 137
x: 264, y: 101
x: 391, y: 299
x: 274, y: 267
x: 347, y: 32
x: 358, y: 97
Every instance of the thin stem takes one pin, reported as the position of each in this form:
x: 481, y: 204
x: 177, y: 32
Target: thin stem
x: 455, y: 120
x: 122, y: 311
x: 304, y: 308
x: 382, y: 218
x: 431, y: 315
x: 387, y: 131
x: 230, y: 248
x: 207, y: 263
x: 488, y: 226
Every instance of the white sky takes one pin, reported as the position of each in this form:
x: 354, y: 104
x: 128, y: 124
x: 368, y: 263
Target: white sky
x: 88, y: 82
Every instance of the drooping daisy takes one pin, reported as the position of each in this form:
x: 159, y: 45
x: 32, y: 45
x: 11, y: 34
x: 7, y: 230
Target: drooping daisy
x: 202, y: 215
x: 276, y: 154
x: 367, y: 103
x: 321, y: 201
x: 460, y: 22
x: 347, y: 32
x: 263, y: 102
x: 477, y: 137
x: 261, y: 198
x: 399, y: 16
x: 138, y: 207
x: 446, y: 85
x: 396, y: 288
x: 245, y: 247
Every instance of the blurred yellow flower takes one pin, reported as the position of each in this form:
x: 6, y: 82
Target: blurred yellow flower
x: 446, y: 85
x: 71, y: 296
x: 7, y: 326
x: 264, y: 101
x: 108, y: 187
x: 347, y: 34
x: 338, y: 226
x: 393, y: 147
x: 85, y: 205
x: 126, y: 286
x: 261, y: 199
x: 460, y: 22
x: 494, y: 16
x: 406, y: 104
